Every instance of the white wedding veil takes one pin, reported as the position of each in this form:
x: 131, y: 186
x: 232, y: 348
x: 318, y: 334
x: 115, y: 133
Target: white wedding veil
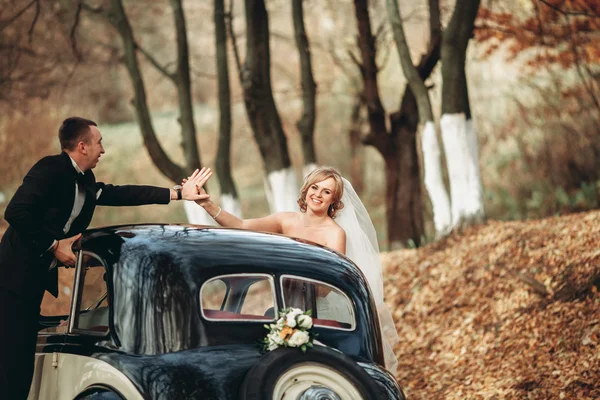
x: 363, y: 249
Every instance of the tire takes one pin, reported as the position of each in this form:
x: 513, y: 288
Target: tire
x: 99, y: 395
x: 290, y: 372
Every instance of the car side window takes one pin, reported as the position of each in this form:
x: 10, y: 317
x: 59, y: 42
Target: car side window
x: 92, y: 310
x: 54, y: 312
x: 239, y: 297
x: 213, y: 295
x: 330, y: 307
x: 59, y: 306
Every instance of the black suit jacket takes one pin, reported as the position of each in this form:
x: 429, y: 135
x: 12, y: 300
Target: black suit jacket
x: 38, y: 212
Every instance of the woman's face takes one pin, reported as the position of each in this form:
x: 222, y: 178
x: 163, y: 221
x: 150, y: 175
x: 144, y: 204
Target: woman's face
x: 320, y: 195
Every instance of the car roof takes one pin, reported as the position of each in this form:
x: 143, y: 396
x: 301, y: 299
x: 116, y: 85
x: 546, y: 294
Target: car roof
x: 217, y: 248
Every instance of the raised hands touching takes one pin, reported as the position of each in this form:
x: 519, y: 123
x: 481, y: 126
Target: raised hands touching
x: 193, y: 186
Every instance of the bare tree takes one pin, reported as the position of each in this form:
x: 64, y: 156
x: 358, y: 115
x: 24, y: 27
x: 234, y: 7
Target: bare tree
x: 229, y: 196
x: 416, y: 84
x: 458, y: 133
x: 29, y: 68
x: 280, y: 184
x: 180, y: 77
x: 398, y: 145
x: 306, y: 124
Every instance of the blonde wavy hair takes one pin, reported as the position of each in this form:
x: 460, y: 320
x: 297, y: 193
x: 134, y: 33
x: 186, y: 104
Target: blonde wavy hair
x: 319, y: 175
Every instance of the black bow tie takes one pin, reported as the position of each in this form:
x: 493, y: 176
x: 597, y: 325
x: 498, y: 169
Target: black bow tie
x: 80, y: 178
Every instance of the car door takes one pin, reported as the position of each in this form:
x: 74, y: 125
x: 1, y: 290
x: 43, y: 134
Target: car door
x: 52, y: 334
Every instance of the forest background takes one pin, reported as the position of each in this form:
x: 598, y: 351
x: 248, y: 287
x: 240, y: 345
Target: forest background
x: 533, y: 91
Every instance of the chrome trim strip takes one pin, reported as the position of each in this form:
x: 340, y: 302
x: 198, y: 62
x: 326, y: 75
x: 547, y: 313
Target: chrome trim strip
x: 73, y: 316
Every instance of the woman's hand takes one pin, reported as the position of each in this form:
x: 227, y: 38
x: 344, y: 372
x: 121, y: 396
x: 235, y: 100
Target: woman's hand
x: 195, y: 184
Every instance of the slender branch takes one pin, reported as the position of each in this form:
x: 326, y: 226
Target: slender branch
x: 34, y: 21
x: 95, y: 10
x: 356, y: 61
x: 575, y: 51
x: 415, y: 81
x: 76, y: 52
x: 435, y: 24
x: 337, y: 61
x: 17, y: 15
x: 236, y: 53
x: 569, y: 12
x: 155, y: 63
x: 18, y: 48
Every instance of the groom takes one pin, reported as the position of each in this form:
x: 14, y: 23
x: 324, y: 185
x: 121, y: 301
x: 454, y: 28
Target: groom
x: 47, y: 214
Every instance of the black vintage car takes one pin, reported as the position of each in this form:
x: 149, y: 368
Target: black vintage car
x: 178, y: 312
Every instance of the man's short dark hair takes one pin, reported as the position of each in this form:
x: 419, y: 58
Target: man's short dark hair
x: 74, y: 130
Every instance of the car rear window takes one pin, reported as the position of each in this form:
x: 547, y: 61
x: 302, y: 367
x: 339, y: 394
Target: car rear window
x: 238, y: 297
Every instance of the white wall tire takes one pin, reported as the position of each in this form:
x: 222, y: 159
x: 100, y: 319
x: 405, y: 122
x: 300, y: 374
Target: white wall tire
x: 301, y: 377
x: 287, y: 373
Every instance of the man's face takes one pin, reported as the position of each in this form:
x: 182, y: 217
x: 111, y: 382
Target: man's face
x: 93, y: 150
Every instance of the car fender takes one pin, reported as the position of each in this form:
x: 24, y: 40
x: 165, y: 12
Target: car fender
x: 384, y: 379
x: 77, y: 373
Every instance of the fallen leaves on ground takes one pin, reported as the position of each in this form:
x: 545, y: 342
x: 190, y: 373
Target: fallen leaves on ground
x: 505, y: 310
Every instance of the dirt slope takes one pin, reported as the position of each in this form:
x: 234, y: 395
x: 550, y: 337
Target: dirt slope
x: 503, y: 310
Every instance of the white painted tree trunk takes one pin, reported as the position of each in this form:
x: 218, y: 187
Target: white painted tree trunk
x: 475, y: 205
x: 232, y: 205
x: 281, y: 188
x: 308, y: 168
x: 434, y: 182
x: 460, y: 147
x: 197, y: 215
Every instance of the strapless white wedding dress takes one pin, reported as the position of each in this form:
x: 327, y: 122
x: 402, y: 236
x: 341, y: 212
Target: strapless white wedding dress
x: 363, y: 249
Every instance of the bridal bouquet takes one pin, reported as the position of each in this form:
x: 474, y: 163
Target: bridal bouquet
x: 292, y: 329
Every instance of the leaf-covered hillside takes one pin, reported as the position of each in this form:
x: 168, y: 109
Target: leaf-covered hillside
x: 506, y: 310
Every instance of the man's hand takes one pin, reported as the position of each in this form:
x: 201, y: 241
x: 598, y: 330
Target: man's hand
x: 193, y: 186
x: 64, y: 251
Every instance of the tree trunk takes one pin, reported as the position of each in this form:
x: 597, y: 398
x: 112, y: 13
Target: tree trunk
x: 405, y: 201
x: 356, y: 149
x: 184, y: 93
x: 458, y: 135
x: 306, y: 124
x: 416, y: 82
x: 281, y: 185
x: 183, y: 82
x: 229, y: 197
x: 117, y: 17
x: 398, y: 147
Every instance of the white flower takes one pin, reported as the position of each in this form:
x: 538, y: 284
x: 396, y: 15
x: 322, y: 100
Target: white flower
x: 305, y: 322
x: 294, y: 312
x: 291, y: 321
x: 274, y: 337
x: 298, y: 339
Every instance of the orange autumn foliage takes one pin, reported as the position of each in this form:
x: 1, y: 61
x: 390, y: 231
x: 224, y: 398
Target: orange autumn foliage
x: 563, y: 32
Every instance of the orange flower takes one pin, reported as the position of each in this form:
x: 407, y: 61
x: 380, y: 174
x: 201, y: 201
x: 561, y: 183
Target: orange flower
x: 286, y: 333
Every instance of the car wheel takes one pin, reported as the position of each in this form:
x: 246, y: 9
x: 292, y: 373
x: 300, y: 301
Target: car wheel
x: 99, y: 395
x: 320, y: 373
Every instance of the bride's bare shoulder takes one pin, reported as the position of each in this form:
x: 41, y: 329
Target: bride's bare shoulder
x: 338, y: 229
x: 289, y: 216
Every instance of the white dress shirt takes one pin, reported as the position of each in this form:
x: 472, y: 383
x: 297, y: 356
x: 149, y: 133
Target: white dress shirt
x: 78, y: 203
x: 79, y: 199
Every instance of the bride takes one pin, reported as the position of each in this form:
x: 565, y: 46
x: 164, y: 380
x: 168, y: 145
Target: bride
x: 331, y: 214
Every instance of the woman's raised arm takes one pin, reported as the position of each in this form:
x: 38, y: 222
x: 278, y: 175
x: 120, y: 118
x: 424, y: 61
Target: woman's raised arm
x: 271, y: 223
